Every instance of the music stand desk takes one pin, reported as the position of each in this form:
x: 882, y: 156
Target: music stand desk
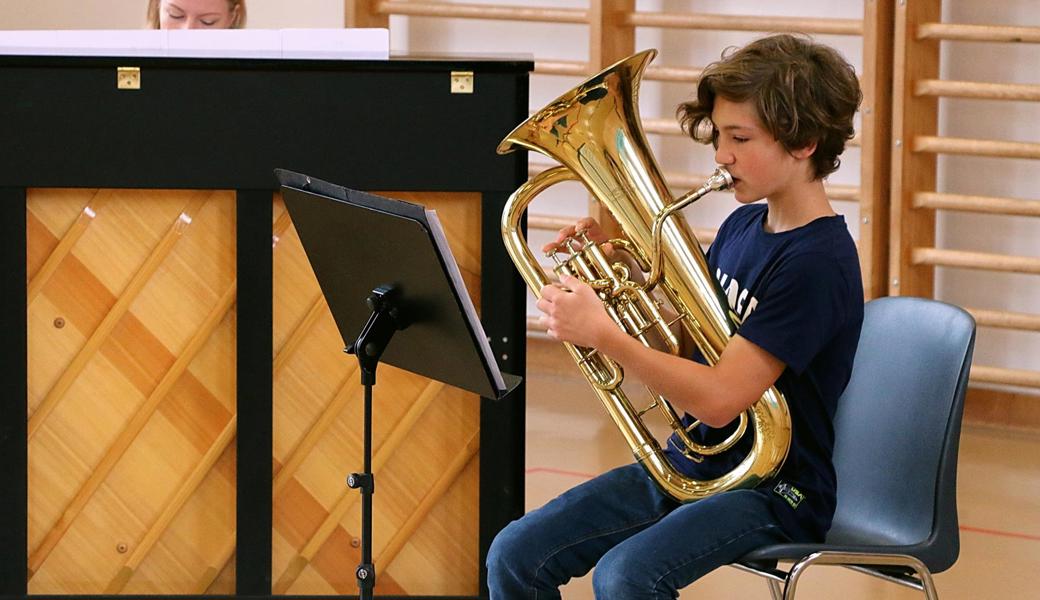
x: 386, y: 271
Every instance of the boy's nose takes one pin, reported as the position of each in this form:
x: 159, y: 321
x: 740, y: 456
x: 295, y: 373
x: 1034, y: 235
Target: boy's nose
x: 722, y: 157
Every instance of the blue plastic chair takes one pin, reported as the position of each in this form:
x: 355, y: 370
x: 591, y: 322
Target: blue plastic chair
x: 897, y: 430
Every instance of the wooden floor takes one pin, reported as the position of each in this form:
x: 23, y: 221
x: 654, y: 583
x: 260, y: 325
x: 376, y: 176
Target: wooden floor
x: 570, y: 439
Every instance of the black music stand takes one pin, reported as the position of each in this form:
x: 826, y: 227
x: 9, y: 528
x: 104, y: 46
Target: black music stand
x: 386, y: 271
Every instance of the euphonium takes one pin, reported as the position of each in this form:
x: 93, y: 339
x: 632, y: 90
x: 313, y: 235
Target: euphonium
x: 594, y: 131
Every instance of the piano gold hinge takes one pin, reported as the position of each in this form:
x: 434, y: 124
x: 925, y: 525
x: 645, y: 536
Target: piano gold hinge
x: 128, y: 78
x: 462, y: 82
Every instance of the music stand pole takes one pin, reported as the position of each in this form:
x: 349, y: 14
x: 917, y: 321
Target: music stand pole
x: 384, y: 321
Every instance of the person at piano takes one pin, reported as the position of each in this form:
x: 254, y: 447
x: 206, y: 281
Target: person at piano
x: 196, y: 14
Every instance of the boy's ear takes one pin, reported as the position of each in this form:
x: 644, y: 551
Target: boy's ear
x: 805, y: 151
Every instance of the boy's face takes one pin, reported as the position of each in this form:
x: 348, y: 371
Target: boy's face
x: 760, y: 165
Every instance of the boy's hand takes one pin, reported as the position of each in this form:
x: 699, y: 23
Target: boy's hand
x: 575, y: 314
x: 591, y: 228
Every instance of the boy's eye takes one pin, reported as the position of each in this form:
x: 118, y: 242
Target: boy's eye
x: 740, y: 140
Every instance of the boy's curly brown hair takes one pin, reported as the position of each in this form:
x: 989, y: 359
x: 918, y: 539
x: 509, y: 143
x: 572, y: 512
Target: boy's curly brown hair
x: 804, y: 92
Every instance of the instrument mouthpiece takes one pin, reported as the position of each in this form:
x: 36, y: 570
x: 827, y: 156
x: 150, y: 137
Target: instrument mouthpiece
x: 720, y: 180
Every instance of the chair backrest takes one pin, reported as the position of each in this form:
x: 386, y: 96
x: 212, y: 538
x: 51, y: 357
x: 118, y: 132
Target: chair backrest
x: 897, y: 430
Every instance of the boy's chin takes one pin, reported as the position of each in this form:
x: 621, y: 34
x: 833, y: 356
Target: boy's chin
x: 745, y: 198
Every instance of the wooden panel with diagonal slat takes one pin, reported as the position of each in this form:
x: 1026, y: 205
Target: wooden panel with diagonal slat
x: 424, y: 443
x: 131, y: 388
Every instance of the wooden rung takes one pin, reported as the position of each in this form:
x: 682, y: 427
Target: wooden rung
x: 534, y: 168
x: 281, y: 224
x: 482, y: 11
x: 982, y: 374
x: 429, y: 501
x: 317, y: 430
x: 684, y: 74
x: 685, y: 181
x: 132, y: 429
x: 976, y: 89
x: 1005, y: 319
x: 662, y: 126
x: 561, y: 67
x: 973, y: 147
x: 744, y: 23
x: 977, y: 33
x: 847, y: 193
x: 550, y: 222
x: 347, y: 500
x: 209, y: 575
x: 64, y: 247
x: 300, y: 333
x: 122, y: 305
x: 976, y: 260
x: 173, y: 506
x: 671, y: 127
x: 981, y: 204
x: 705, y: 236
x: 557, y: 222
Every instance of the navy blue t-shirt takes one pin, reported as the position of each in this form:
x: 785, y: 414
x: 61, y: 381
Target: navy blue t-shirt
x: 800, y: 298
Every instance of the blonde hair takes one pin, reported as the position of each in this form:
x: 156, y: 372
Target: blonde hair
x: 237, y: 8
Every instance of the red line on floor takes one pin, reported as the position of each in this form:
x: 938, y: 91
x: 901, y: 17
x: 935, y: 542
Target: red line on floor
x: 997, y: 532
x: 560, y: 472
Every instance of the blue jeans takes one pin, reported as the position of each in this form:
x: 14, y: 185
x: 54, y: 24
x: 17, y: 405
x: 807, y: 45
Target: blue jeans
x: 642, y: 543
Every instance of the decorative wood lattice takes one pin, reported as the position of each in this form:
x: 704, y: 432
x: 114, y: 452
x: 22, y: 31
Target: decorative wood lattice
x: 132, y: 411
x: 131, y: 388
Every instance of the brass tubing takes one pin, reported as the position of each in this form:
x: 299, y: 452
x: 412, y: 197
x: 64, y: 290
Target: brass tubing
x: 593, y: 130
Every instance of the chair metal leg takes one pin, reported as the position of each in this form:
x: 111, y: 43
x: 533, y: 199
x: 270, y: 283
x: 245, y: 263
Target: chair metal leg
x: 925, y: 585
x: 774, y: 590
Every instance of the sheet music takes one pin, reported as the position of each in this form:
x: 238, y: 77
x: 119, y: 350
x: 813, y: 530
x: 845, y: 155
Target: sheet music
x: 341, y: 44
x: 467, y: 304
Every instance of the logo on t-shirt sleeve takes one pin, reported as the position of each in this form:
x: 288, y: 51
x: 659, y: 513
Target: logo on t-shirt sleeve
x: 789, y: 493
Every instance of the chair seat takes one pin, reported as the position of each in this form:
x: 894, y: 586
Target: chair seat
x: 897, y: 428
